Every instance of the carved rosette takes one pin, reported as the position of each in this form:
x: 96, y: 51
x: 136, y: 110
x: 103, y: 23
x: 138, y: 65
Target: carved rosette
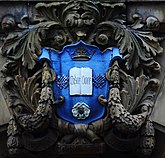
x: 126, y: 124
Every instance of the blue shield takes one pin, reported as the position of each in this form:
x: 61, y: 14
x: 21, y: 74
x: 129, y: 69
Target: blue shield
x: 80, y: 70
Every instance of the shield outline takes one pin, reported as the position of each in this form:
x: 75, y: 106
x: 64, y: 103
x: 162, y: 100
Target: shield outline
x: 59, y: 60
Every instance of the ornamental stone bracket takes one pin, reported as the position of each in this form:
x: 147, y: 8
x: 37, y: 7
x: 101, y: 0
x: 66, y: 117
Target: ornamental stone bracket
x: 36, y: 90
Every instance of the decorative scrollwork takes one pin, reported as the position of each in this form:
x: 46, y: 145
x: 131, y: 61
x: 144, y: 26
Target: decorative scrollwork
x: 132, y: 88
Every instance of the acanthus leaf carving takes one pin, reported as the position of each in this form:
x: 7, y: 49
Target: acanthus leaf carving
x: 121, y: 117
x: 29, y: 91
x: 25, y: 46
x: 30, y: 87
x: 137, y: 47
x: 133, y: 91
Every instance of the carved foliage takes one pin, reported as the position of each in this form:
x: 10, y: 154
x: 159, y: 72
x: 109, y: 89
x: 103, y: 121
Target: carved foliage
x: 131, y: 95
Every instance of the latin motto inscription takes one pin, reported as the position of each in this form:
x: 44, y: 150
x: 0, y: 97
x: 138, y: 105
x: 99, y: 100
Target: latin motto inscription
x: 80, y: 80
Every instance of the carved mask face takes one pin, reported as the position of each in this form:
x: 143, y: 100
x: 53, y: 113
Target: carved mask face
x: 80, y: 18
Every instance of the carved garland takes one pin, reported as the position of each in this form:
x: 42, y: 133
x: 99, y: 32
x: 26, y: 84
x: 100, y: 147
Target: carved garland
x: 34, y: 124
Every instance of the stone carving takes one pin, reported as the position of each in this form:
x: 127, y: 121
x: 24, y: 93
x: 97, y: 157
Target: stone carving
x: 126, y: 124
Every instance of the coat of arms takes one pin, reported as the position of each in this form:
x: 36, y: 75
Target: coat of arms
x: 80, y: 79
x: 77, y: 74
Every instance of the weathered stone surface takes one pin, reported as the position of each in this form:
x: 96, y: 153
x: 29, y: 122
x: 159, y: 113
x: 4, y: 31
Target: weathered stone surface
x: 18, y: 10
x: 159, y: 108
x: 4, y: 112
x: 145, y: 10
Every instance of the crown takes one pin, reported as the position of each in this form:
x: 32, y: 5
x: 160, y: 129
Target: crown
x: 81, y: 53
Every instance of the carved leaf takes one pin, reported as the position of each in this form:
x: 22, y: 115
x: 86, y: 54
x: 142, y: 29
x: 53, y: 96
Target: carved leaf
x: 49, y: 11
x: 26, y: 45
x: 24, y: 94
x: 137, y: 47
x: 29, y: 90
x: 133, y: 91
x: 113, y: 11
x: 132, y: 44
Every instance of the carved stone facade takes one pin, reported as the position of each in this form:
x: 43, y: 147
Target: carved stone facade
x: 134, y: 82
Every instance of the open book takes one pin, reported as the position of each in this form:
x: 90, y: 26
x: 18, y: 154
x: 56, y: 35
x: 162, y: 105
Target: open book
x: 80, y: 81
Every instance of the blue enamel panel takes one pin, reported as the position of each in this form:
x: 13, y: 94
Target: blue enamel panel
x: 62, y: 62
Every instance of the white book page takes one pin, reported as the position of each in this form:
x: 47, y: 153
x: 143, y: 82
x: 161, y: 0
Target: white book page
x: 86, y: 81
x: 75, y: 81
